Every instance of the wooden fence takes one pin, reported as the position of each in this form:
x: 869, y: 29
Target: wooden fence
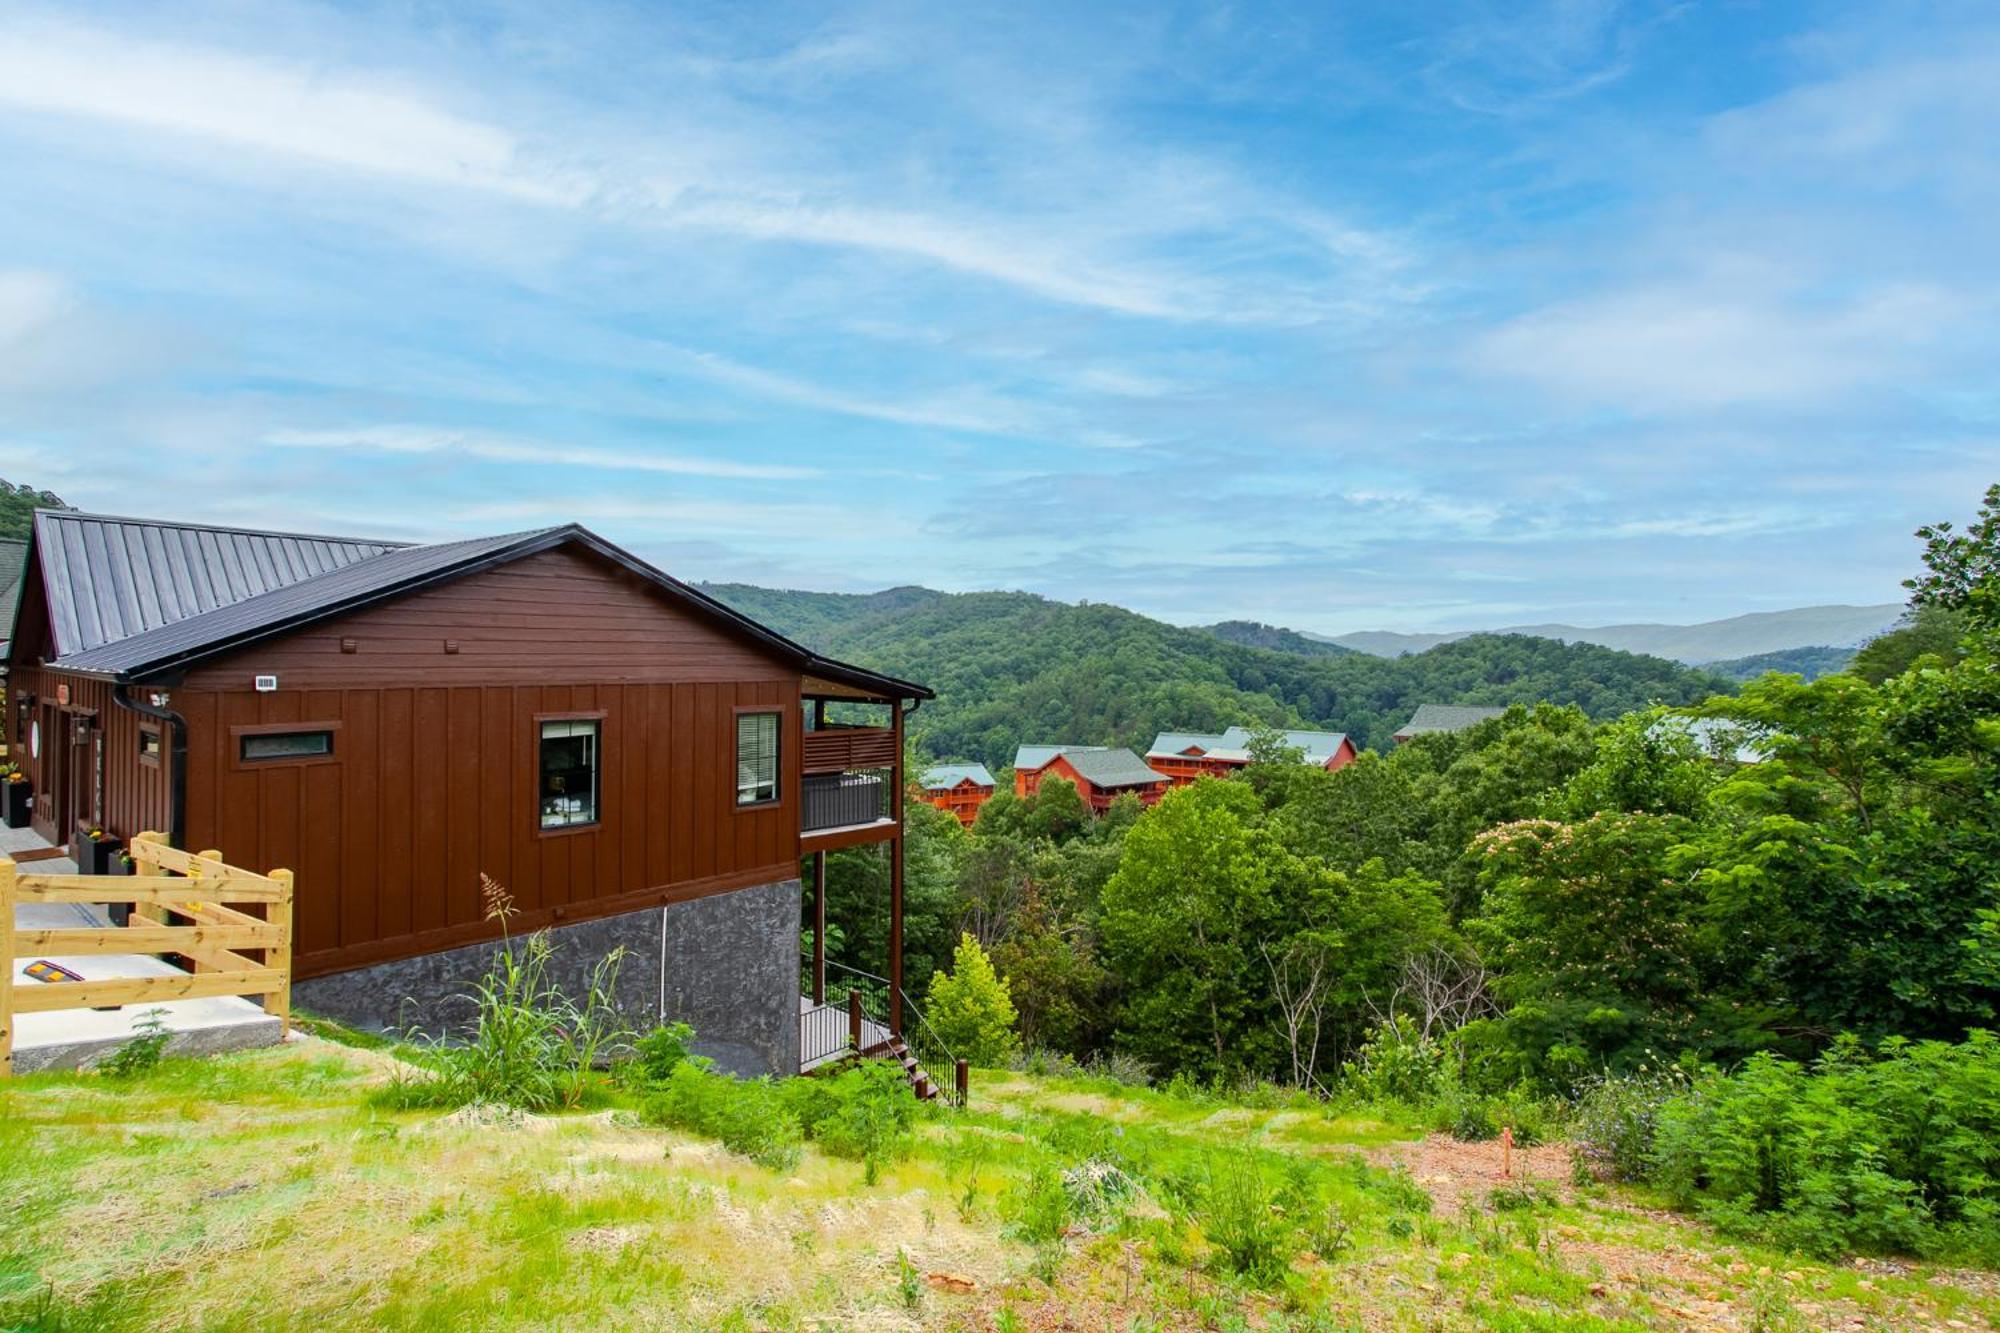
x: 168, y: 884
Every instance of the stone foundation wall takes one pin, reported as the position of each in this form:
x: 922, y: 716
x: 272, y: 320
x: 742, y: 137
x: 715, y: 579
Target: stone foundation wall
x: 728, y: 964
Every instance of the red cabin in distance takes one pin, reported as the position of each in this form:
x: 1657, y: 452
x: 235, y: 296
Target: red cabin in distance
x: 958, y: 789
x: 1185, y: 756
x: 1100, y: 774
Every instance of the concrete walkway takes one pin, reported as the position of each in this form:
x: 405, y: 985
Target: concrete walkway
x: 75, y: 1038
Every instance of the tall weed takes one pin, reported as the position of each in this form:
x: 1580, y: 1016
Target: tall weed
x: 531, y: 1045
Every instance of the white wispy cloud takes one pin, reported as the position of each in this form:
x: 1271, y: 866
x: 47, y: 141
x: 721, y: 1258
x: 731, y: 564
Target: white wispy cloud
x: 410, y: 129
x: 1702, y: 345
x: 336, y: 119
x: 407, y: 439
x: 973, y: 411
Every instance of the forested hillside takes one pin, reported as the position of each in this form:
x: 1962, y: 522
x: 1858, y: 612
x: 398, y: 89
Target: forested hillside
x: 1011, y: 668
x: 1812, y: 663
x: 1252, y: 634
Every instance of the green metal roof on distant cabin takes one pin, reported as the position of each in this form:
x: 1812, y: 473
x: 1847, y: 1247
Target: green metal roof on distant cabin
x: 1100, y: 765
x: 946, y: 776
x: 1233, y: 745
x: 1445, y: 717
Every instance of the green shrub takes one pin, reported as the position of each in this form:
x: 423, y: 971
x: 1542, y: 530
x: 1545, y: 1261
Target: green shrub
x: 657, y: 1054
x: 1898, y: 1151
x: 865, y: 1113
x: 748, y: 1116
x: 970, y: 1008
x: 1396, y: 1064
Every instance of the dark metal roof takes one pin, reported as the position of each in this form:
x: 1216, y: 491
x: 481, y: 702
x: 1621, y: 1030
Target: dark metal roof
x: 346, y: 582
x: 347, y: 588
x: 109, y: 579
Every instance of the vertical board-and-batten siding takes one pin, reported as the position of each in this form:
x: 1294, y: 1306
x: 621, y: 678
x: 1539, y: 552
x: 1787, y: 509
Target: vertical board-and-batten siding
x: 134, y: 793
x: 434, y: 774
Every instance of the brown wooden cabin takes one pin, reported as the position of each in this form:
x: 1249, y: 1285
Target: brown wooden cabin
x: 1185, y: 756
x: 391, y: 722
x: 959, y: 790
x: 1099, y: 773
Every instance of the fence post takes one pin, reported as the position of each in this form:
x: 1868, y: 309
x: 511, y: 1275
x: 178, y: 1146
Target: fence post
x: 6, y: 966
x: 145, y: 863
x: 854, y: 1019
x: 195, y: 965
x: 961, y: 1080
x: 279, y: 1003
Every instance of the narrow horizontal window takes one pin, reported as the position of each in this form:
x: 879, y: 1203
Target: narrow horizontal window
x: 286, y: 745
x: 756, y: 758
x: 569, y: 772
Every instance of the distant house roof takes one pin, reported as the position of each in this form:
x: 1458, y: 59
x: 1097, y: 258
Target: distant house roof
x: 946, y: 776
x: 1112, y: 768
x: 1233, y: 745
x: 1031, y: 757
x: 130, y: 599
x: 1445, y: 717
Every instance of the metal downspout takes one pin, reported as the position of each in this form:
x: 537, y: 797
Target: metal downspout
x: 177, y: 746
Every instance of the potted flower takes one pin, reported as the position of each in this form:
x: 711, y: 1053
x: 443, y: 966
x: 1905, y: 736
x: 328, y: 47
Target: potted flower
x: 95, y: 851
x: 16, y: 796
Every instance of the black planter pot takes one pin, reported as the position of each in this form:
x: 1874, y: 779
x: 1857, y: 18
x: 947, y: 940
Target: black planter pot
x: 16, y: 803
x: 97, y: 856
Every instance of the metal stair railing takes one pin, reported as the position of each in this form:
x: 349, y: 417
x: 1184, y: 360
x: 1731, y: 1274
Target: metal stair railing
x: 859, y: 1024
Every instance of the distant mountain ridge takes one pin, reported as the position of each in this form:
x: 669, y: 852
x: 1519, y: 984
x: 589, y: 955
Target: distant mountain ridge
x: 1014, y: 669
x: 1750, y: 635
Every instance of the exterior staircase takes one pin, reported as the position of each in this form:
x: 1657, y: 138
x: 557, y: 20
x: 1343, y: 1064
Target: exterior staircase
x: 920, y: 1079
x: 857, y: 1024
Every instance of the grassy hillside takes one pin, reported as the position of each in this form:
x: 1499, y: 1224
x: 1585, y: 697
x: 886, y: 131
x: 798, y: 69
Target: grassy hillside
x: 1012, y: 668
x: 262, y: 1190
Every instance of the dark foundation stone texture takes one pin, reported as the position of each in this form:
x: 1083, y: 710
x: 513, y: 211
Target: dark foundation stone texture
x: 728, y: 964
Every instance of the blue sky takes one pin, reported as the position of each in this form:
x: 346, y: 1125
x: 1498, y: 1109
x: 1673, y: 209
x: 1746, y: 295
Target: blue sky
x: 1346, y: 316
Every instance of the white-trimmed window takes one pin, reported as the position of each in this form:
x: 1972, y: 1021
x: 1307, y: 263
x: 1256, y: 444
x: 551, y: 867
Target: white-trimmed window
x: 569, y: 765
x: 756, y: 758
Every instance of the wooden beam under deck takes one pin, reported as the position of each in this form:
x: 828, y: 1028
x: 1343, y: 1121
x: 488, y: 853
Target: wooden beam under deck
x: 847, y: 835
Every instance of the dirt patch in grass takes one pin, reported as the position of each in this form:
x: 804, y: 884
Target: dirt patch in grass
x: 1452, y: 1172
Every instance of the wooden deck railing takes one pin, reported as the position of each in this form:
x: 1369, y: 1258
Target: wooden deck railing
x: 170, y: 883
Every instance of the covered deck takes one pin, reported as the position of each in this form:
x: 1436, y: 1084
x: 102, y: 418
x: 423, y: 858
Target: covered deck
x: 852, y: 789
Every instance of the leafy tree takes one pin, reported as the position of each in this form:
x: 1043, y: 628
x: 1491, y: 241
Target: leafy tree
x: 1924, y: 631
x: 971, y: 1007
x: 1649, y: 763
x: 1592, y: 930
x: 18, y: 505
x: 1202, y: 886
x: 1962, y: 569
x: 1060, y: 990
